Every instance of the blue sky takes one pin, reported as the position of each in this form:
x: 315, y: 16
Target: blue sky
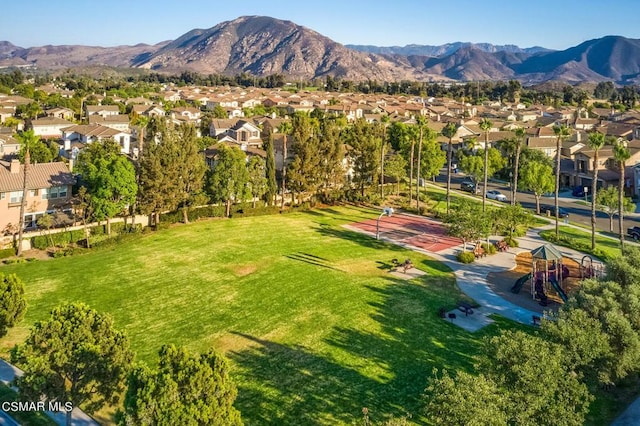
x: 555, y: 24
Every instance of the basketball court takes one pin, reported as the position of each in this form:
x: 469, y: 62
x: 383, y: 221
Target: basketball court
x: 416, y: 231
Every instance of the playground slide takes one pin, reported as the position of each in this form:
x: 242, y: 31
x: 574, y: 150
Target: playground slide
x: 557, y: 288
x: 518, y: 285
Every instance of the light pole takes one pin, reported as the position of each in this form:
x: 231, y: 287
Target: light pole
x: 388, y: 211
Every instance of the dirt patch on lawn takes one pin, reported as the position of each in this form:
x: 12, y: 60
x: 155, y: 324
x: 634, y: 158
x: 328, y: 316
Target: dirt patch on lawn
x: 501, y: 283
x: 244, y: 270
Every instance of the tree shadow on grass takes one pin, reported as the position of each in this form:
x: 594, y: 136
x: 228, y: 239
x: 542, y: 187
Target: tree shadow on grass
x: 412, y: 340
x: 290, y: 385
x: 357, y: 237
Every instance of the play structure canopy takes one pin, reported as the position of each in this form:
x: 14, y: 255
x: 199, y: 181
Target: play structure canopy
x: 546, y: 252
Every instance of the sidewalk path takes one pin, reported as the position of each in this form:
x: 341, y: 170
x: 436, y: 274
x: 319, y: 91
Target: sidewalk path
x: 9, y: 372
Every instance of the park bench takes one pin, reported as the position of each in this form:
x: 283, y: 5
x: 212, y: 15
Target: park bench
x: 478, y: 251
x: 406, y: 265
x: 466, y: 308
x: 501, y: 245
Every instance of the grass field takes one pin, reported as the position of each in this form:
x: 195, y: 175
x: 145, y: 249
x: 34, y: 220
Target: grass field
x: 581, y: 240
x: 313, y: 324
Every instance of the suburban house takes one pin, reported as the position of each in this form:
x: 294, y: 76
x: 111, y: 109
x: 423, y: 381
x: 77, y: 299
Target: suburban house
x: 87, y: 133
x: 211, y: 154
x: 220, y: 126
x: 102, y: 110
x: 242, y: 133
x: 185, y: 115
x: 117, y: 121
x: 6, y: 112
x: 8, y: 145
x: 64, y: 113
x: 48, y: 127
x: 48, y: 190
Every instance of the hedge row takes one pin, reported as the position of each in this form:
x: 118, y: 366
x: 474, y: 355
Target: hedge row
x: 238, y: 210
x: 8, y: 252
x: 65, y: 238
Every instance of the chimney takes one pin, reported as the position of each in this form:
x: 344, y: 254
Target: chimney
x: 71, y: 164
x: 15, y: 166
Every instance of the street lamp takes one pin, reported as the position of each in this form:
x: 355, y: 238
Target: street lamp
x: 388, y: 211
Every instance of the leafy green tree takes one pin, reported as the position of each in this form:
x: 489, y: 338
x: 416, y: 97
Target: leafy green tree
x: 270, y: 172
x: 74, y: 356
x: 185, y: 390
x: 285, y: 128
x: 449, y: 131
x: 109, y: 177
x: 257, y: 178
x: 562, y: 132
x: 192, y: 168
x: 596, y: 141
x: 538, y: 178
x: 396, y: 168
x: 604, y: 90
x: 228, y: 180
x: 485, y: 126
x: 607, y: 201
x: 12, y: 303
x: 331, y: 153
x: 467, y: 221
x: 625, y: 270
x: 220, y: 112
x: 509, y: 218
x: 40, y: 151
x: 621, y: 154
x: 533, y: 373
x: 365, y: 141
x: 430, y: 154
x: 304, y: 171
x: 403, y: 139
x: 159, y: 175
x: 474, y: 164
x: 614, y: 306
x: 465, y: 399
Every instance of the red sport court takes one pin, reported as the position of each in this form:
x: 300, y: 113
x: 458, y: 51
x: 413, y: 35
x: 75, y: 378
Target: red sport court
x: 417, y: 231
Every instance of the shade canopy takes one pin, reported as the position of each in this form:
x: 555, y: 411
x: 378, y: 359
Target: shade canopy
x: 546, y: 252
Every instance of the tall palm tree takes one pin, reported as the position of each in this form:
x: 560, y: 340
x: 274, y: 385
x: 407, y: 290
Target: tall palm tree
x: 449, y: 131
x: 285, y: 128
x: 596, y: 141
x: 562, y: 132
x: 519, y: 140
x: 621, y: 154
x: 485, y: 126
x: 421, y: 122
x: 383, y: 144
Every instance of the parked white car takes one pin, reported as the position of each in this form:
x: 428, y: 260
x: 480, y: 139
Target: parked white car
x: 496, y: 195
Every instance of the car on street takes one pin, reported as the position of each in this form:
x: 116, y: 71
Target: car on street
x: 468, y: 186
x: 551, y: 211
x: 496, y: 195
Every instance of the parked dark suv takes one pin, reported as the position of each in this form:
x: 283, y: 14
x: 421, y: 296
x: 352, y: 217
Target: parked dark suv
x: 551, y: 210
x: 468, y: 186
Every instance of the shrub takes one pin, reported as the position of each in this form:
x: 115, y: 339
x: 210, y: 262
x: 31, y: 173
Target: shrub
x: 8, y: 252
x: 511, y: 242
x: 466, y: 257
x: 489, y: 248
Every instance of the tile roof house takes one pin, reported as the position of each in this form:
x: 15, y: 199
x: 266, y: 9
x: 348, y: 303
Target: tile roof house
x: 87, y: 133
x: 118, y: 122
x: 103, y: 110
x: 48, y: 189
x: 48, y: 127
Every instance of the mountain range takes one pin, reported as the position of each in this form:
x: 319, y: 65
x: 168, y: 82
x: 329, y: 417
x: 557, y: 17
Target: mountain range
x: 261, y: 45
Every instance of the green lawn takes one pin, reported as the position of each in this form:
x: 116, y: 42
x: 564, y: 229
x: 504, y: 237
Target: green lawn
x: 25, y: 418
x: 606, y: 248
x: 314, y: 325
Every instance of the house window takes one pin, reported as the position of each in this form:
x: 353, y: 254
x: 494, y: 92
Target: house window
x: 54, y: 192
x: 15, y: 197
x: 2, y: 195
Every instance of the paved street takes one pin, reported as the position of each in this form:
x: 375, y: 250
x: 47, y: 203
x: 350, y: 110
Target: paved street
x: 578, y: 212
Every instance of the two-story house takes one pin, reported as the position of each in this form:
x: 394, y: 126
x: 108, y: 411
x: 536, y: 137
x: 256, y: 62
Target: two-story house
x: 48, y: 190
x: 48, y: 127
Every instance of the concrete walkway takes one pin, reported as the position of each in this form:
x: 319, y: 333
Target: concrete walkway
x: 9, y: 372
